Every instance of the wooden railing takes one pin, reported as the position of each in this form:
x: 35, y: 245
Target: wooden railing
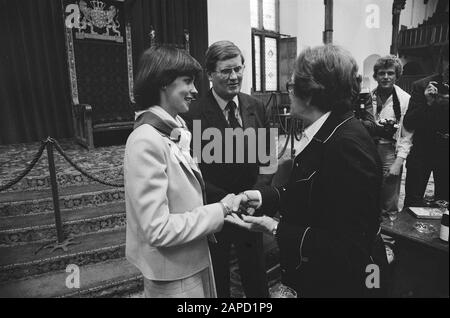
x: 423, y: 36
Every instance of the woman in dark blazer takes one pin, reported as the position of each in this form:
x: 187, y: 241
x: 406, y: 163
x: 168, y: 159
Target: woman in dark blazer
x: 328, y: 233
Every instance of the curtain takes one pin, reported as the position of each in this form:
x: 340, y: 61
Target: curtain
x: 170, y: 18
x: 35, y: 97
x: 34, y: 80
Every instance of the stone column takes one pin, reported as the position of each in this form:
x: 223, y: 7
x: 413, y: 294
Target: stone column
x: 397, y: 8
x: 328, y: 33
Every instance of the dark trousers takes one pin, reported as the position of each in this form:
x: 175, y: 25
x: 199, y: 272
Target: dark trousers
x: 249, y: 251
x: 418, y: 172
x: 338, y: 276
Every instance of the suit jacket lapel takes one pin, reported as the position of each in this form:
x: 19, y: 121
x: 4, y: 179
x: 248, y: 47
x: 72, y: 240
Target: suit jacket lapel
x: 326, y: 131
x: 213, y: 113
x: 331, y: 125
x: 247, y: 112
x: 192, y: 169
x: 179, y: 157
x: 309, y: 161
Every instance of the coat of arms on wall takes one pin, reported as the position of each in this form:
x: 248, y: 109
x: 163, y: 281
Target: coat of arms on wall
x: 95, y: 20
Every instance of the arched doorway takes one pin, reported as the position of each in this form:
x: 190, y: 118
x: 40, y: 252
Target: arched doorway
x: 368, y: 82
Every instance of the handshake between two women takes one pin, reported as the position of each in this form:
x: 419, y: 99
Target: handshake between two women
x: 240, y: 211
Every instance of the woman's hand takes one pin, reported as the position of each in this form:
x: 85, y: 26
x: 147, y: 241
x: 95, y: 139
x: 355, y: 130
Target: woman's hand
x: 227, y: 204
x: 247, y: 202
x: 244, y: 203
x: 263, y: 224
x: 396, y: 167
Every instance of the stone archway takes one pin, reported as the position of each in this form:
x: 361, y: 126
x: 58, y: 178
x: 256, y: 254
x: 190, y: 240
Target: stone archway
x: 368, y: 82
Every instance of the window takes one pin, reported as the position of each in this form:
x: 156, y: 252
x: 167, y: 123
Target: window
x: 265, y: 40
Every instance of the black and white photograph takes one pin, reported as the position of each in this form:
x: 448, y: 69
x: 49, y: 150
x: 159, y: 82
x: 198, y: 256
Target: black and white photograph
x: 240, y: 150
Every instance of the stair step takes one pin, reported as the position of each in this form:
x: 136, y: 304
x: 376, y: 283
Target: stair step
x: 67, y: 179
x: 40, y: 201
x: 17, y: 230
x: 105, y: 162
x: 8, y: 197
x: 114, y: 277
x: 44, y: 275
x: 22, y: 261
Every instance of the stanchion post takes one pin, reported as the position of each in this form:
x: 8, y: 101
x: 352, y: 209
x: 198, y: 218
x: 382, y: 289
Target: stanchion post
x: 292, y: 132
x: 54, y: 184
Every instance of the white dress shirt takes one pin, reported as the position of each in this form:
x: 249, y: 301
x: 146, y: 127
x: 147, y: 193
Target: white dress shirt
x: 223, y: 106
x: 310, y: 132
x: 403, y: 136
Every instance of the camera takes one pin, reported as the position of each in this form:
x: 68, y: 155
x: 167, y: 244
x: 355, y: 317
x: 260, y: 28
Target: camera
x: 442, y: 88
x: 388, y: 128
x: 359, y: 104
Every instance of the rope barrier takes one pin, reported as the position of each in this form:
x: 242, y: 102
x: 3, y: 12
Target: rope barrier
x: 290, y: 131
x: 102, y: 181
x: 62, y: 242
x: 277, y: 115
x: 283, y: 127
x: 283, y: 151
x: 27, y: 170
x: 296, y: 128
x: 81, y: 170
x: 38, y: 155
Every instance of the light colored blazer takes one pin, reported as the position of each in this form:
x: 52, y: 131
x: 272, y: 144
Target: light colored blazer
x: 167, y: 224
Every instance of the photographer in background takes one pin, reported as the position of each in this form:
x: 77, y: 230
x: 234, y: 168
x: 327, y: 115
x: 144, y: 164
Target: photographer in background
x: 428, y: 117
x: 383, y: 117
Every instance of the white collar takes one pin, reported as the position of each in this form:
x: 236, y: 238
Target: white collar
x: 388, y: 101
x: 312, y: 130
x: 223, y: 103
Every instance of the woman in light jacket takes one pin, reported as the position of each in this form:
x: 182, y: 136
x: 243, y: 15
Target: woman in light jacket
x: 168, y: 225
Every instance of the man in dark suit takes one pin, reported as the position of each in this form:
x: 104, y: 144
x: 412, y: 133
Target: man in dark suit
x: 224, y: 106
x: 329, y: 232
x: 428, y: 116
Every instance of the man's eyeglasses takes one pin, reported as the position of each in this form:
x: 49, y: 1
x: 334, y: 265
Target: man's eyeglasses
x: 290, y: 86
x: 226, y: 73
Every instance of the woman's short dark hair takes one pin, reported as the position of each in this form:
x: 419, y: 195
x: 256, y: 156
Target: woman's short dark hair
x: 388, y: 62
x: 221, y: 51
x: 158, y: 67
x: 329, y: 75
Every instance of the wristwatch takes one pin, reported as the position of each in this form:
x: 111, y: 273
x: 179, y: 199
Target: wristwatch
x: 226, y: 208
x: 275, y: 228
